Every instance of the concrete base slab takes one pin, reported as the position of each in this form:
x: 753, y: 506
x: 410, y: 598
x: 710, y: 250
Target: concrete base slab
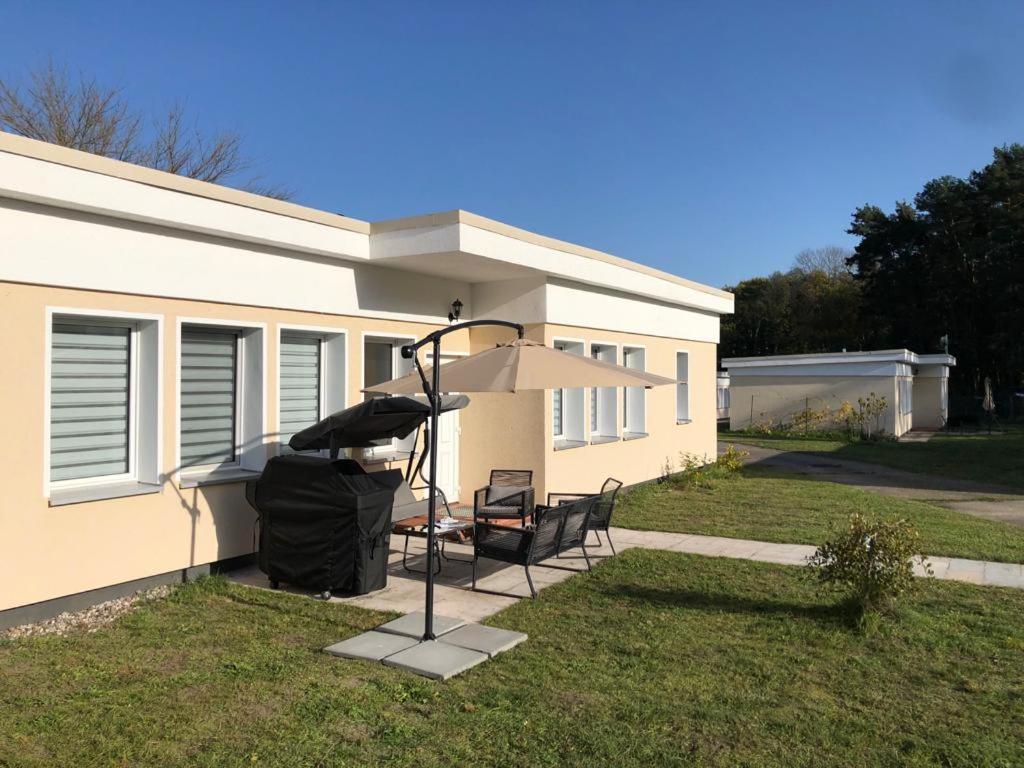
x: 489, y: 640
x: 436, y: 659
x: 412, y: 625
x: 371, y: 646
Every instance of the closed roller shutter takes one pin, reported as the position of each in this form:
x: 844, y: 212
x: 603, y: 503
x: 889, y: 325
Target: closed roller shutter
x: 299, y: 387
x: 89, y: 401
x: 209, y: 374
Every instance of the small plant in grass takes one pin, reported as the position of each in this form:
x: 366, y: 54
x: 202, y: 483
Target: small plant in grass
x: 698, y: 472
x: 873, y: 561
x: 732, y: 459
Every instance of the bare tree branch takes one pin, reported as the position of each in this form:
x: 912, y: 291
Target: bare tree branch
x: 831, y: 260
x: 87, y: 116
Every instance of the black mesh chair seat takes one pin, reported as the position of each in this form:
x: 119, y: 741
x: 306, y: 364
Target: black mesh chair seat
x: 554, y: 531
x: 509, y: 495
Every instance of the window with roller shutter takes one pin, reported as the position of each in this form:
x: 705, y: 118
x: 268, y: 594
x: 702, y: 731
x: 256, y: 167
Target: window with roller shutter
x: 209, y: 395
x: 299, y: 386
x: 91, y: 395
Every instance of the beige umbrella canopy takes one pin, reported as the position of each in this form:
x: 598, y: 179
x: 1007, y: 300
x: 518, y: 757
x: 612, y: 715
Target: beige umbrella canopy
x: 519, y: 365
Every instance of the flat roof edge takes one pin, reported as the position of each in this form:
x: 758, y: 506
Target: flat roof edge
x: 85, y: 161
x: 879, y: 355
x: 460, y: 216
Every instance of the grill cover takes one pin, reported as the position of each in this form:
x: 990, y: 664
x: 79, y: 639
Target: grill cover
x: 324, y: 524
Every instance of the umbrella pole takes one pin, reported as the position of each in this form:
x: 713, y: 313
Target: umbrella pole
x: 435, y: 398
x: 433, y: 394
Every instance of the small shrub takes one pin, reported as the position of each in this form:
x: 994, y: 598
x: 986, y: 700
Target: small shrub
x: 871, y: 409
x: 692, y: 472
x: 810, y: 419
x: 732, y: 459
x: 697, y: 472
x: 764, y: 426
x: 873, y: 561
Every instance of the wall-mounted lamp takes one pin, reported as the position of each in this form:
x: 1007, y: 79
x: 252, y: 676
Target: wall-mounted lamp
x: 453, y: 316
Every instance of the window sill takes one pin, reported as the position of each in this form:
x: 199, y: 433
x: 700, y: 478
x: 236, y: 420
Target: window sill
x: 602, y: 439
x: 633, y: 435
x: 380, y: 458
x: 684, y: 421
x: 217, y: 477
x: 565, y: 445
x: 83, y: 494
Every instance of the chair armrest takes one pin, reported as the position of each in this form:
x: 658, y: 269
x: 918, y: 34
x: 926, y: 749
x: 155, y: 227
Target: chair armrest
x: 479, y: 498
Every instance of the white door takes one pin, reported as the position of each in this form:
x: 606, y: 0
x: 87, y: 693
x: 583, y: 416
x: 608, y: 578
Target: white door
x: 448, y: 449
x: 448, y: 455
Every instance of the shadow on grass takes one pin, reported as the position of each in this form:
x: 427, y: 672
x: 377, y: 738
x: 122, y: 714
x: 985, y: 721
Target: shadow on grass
x: 839, y: 614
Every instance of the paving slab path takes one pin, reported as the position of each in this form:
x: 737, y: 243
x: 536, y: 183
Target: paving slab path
x: 993, y: 502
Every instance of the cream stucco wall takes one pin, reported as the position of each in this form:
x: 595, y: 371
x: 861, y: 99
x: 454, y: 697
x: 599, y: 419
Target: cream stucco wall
x: 514, y: 430
x: 500, y: 430
x: 759, y: 398
x: 62, y: 550
x: 632, y: 461
x: 930, y: 401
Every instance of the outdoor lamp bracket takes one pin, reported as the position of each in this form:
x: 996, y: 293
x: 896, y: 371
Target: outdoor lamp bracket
x: 453, y: 316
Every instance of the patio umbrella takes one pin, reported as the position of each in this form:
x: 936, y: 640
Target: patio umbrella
x: 511, y: 367
x: 988, y: 404
x: 522, y: 365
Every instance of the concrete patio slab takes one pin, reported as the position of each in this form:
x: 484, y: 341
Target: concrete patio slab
x: 371, y: 646
x: 489, y: 640
x: 413, y: 625
x: 436, y: 659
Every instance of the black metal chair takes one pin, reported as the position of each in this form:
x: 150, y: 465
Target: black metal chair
x: 508, y: 496
x: 554, y: 530
x: 601, y: 514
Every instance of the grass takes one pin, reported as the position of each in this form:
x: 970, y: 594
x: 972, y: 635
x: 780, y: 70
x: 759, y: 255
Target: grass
x: 767, y: 505
x: 996, y: 459
x: 655, y: 659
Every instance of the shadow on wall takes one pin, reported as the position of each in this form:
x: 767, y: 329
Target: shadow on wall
x: 232, y: 519
x: 379, y: 289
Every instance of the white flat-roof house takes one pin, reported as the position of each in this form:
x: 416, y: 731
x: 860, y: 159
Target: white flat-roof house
x: 776, y: 387
x: 163, y: 337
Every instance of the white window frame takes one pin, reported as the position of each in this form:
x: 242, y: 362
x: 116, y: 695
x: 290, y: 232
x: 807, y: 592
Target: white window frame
x: 628, y: 433
x: 688, y: 418
x: 250, y: 404
x: 333, y: 394
x: 145, y: 427
x: 595, y: 393
x: 397, y: 340
x: 577, y: 412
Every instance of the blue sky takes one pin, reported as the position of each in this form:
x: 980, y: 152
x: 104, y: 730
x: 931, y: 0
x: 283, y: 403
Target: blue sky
x: 714, y: 140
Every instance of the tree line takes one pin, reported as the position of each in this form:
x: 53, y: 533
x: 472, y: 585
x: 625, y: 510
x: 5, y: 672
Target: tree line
x: 947, y: 267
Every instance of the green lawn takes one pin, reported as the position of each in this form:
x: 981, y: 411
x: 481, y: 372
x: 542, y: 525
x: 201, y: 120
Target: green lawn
x: 655, y: 659
x: 763, y: 504
x: 996, y: 459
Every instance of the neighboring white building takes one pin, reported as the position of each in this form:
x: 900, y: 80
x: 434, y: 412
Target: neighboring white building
x: 777, y: 387
x: 723, y: 395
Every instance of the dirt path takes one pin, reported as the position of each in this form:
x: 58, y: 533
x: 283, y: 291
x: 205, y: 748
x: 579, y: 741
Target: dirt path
x: 993, y: 502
